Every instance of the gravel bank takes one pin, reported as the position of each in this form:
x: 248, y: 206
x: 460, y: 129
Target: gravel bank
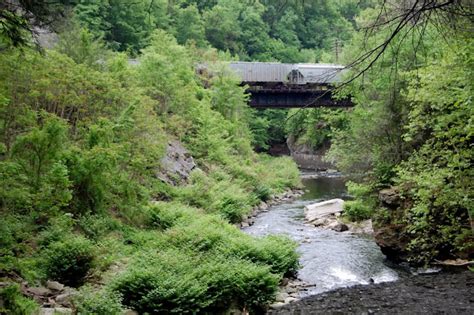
x: 443, y: 293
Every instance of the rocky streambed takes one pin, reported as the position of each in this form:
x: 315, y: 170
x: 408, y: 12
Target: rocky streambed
x: 441, y: 293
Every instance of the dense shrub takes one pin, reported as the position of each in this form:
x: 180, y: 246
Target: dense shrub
x: 278, y: 252
x: 14, y: 232
x: 357, y: 210
x: 96, y: 226
x: 262, y: 192
x: 69, y: 261
x: 218, y: 193
x: 163, y: 215
x: 177, y: 282
x: 13, y: 301
x: 212, y: 234
x: 364, y: 204
x: 93, y: 302
x: 55, y: 230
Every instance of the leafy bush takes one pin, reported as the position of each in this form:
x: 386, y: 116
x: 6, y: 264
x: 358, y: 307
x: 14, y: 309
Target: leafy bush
x: 56, y: 229
x: 278, y: 252
x: 277, y: 173
x: 177, y: 282
x: 14, y: 232
x: 69, y: 261
x: 364, y: 204
x: 96, y: 226
x: 218, y: 193
x: 13, y: 301
x: 163, y: 215
x: 211, y: 234
x: 262, y: 192
x: 104, y: 302
x: 357, y: 210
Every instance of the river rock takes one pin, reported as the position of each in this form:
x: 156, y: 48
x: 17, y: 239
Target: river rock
x: 339, y: 227
x: 39, y: 291
x: 55, y: 311
x: 319, y: 210
x: 322, y: 222
x: 65, y: 299
x: 363, y: 227
x: 54, y: 285
x: 290, y: 299
x: 392, y: 240
x: 277, y: 305
x: 284, y: 281
x: 281, y: 297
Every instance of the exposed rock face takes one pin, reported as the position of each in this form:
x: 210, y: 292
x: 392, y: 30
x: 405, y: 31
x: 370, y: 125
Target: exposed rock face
x: 306, y: 157
x: 389, y: 235
x: 390, y: 197
x: 392, y: 241
x: 176, y: 165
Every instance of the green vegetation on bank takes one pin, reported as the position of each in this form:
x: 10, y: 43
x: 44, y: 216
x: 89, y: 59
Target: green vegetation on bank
x: 412, y: 129
x: 82, y: 138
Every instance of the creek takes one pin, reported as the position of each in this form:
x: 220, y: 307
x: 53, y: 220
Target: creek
x: 328, y: 259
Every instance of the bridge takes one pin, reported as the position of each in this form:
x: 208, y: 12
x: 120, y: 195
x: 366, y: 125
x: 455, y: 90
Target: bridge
x: 280, y: 85
x: 284, y: 85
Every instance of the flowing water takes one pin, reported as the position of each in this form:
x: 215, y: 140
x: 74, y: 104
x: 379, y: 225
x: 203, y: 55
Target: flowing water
x: 328, y: 259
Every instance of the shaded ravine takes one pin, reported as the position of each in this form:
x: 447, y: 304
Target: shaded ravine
x: 328, y: 259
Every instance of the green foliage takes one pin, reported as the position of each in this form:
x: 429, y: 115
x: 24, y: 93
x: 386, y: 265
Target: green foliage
x: 173, y: 282
x: 362, y: 208
x: 269, y: 126
x: 278, y: 252
x: 82, y: 136
x: 55, y: 230
x: 13, y: 301
x: 95, y: 226
x: 38, y: 153
x: 412, y: 128
x: 315, y: 127
x: 125, y: 26
x: 189, y: 26
x: 437, y: 177
x: 163, y: 215
x: 81, y: 46
x: 15, y: 233
x: 90, y: 301
x: 217, y: 193
x: 69, y: 260
x: 211, y: 234
x: 289, y: 31
x: 357, y: 210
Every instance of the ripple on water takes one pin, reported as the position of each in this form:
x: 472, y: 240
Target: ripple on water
x: 328, y: 259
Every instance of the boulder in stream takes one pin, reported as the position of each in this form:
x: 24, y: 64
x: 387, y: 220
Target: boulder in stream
x: 320, y: 210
